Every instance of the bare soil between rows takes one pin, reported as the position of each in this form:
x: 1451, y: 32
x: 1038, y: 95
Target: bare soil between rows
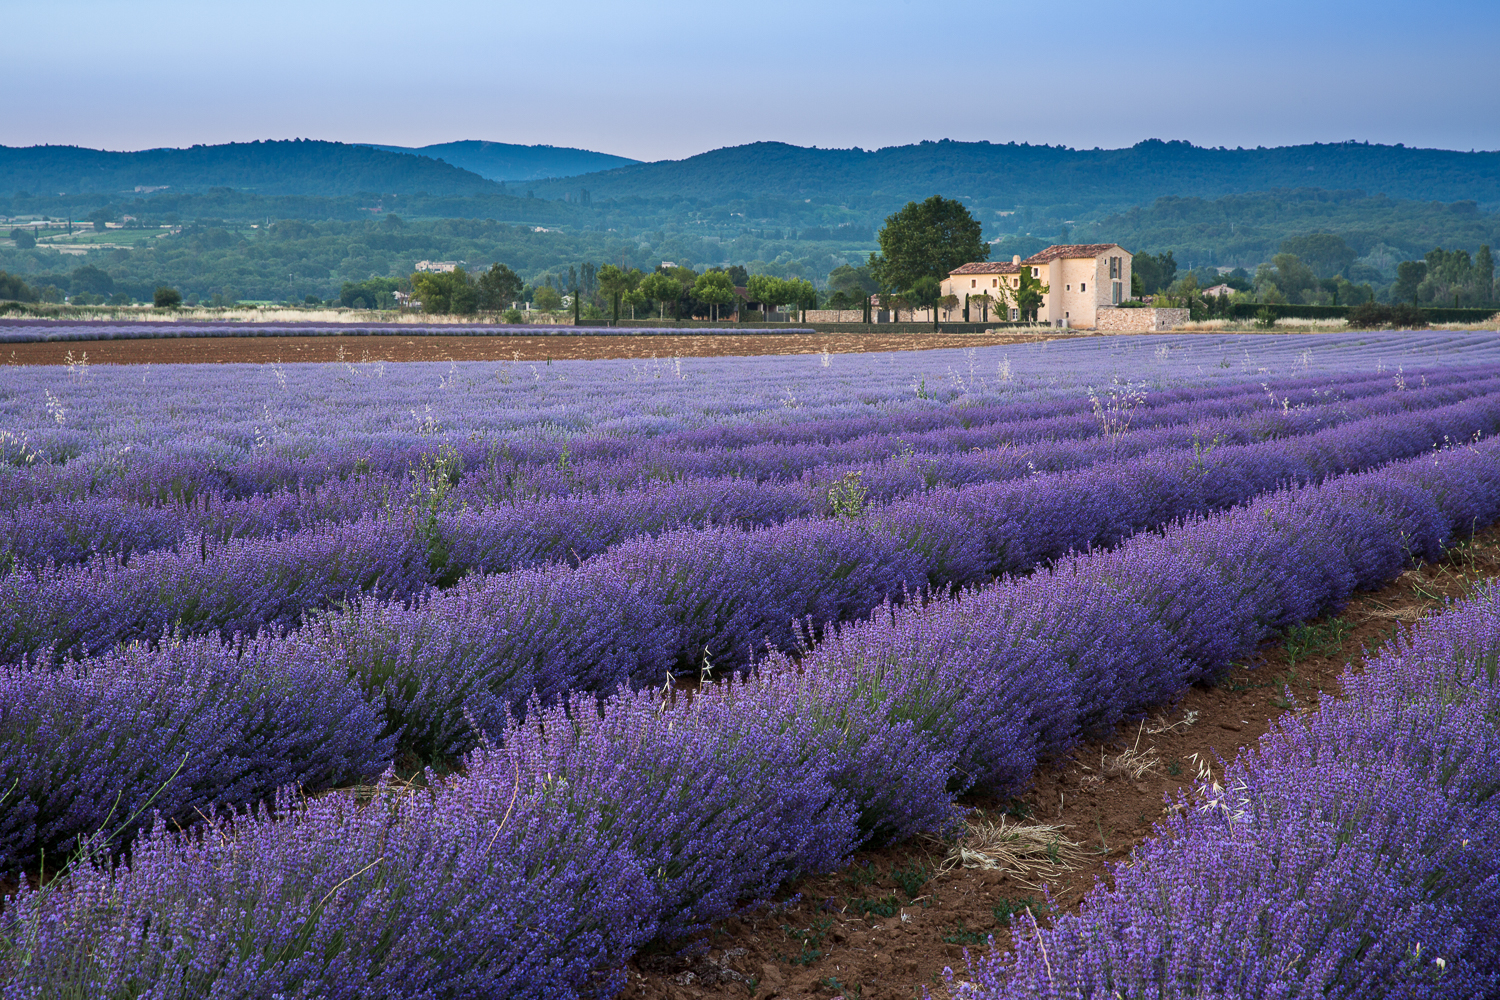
x: 398, y: 347
x: 869, y: 932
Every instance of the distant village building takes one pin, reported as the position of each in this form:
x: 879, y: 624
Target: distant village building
x: 1218, y: 290
x: 437, y: 265
x: 1081, y: 280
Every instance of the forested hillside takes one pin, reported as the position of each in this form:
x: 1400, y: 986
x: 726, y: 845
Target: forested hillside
x: 504, y: 161
x: 1019, y: 176
x: 292, y: 167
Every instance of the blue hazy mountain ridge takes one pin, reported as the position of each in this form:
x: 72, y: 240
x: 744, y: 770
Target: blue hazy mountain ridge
x: 280, y: 167
x: 504, y: 161
x: 1020, y: 174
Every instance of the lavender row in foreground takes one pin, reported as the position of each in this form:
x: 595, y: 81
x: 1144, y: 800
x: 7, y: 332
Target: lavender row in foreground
x: 584, y: 834
x: 1351, y: 854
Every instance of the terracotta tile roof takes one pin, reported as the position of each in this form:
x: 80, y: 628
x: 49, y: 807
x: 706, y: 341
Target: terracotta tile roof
x: 987, y: 267
x: 1071, y: 250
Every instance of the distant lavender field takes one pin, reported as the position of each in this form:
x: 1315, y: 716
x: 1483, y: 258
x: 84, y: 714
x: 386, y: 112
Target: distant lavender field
x: 223, y: 584
x: 229, y: 412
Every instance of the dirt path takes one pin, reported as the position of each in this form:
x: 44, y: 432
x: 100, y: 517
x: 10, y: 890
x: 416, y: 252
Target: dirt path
x: 396, y: 347
x: 887, y: 926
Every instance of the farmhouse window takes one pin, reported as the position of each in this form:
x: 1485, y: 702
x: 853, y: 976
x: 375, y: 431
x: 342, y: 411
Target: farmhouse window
x: 1083, y: 286
x: 1115, y: 293
x: 1015, y: 314
x: 1036, y: 272
x: 973, y: 282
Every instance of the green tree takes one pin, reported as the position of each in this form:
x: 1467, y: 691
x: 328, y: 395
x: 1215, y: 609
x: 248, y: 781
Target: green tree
x: 1028, y: 295
x: 498, y: 288
x: 661, y: 288
x: 1289, y: 276
x: 768, y: 290
x: 714, y: 288
x: 616, y: 284
x: 928, y: 240
x: 547, y: 299
x: 446, y: 291
x: 166, y: 298
x: 925, y: 293
x: 373, y: 293
x: 1154, y: 273
x: 13, y: 288
x: 854, y: 282
x: 1409, y: 275
x: 25, y: 238
x: 801, y: 293
x: 1484, y: 274
x: 635, y: 299
x: 1326, y: 254
x: 93, y: 280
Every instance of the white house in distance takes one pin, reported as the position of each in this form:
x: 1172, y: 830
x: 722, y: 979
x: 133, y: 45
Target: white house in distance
x: 1081, y: 279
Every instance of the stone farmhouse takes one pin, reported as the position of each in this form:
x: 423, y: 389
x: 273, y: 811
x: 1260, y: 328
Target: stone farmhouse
x: 1082, y: 281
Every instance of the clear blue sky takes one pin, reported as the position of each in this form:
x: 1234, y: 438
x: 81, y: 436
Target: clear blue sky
x: 656, y: 80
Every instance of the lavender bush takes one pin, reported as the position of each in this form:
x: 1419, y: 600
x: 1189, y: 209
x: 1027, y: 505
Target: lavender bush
x: 1352, y: 854
x: 492, y: 893
x: 93, y: 751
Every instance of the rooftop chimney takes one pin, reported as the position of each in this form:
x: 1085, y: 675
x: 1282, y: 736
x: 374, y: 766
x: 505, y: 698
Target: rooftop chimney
x: 1016, y: 259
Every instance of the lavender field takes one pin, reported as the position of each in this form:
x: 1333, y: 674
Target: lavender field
x: 355, y: 680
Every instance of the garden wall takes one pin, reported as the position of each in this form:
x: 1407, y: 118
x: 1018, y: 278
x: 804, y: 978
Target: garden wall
x: 1112, y: 320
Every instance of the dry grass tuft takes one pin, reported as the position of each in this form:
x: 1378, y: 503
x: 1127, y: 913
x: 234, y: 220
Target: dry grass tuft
x: 1026, y: 849
x: 1160, y: 724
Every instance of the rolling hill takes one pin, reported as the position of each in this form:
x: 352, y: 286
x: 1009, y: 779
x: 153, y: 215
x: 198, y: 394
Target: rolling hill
x: 303, y: 167
x: 1014, y: 175
x: 503, y: 161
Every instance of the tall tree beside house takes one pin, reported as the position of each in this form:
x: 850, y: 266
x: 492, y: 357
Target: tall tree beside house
x: 1156, y: 272
x: 1028, y: 295
x: 925, y: 293
x: 927, y: 240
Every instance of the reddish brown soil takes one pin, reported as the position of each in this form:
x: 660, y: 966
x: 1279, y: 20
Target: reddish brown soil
x: 823, y: 947
x: 396, y: 347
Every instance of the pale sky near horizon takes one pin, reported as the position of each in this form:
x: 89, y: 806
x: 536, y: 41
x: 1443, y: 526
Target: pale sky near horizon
x: 657, y: 80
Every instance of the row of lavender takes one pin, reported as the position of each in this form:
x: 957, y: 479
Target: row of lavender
x: 658, y: 598
x: 592, y: 828
x: 257, y: 427
x: 986, y: 447
x: 1352, y: 854
x: 748, y: 445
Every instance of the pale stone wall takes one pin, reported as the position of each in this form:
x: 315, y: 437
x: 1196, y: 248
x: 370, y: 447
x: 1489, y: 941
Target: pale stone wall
x: 1113, y: 320
x: 836, y: 315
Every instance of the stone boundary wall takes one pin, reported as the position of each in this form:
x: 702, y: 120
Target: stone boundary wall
x: 1113, y: 320
x: 835, y: 315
